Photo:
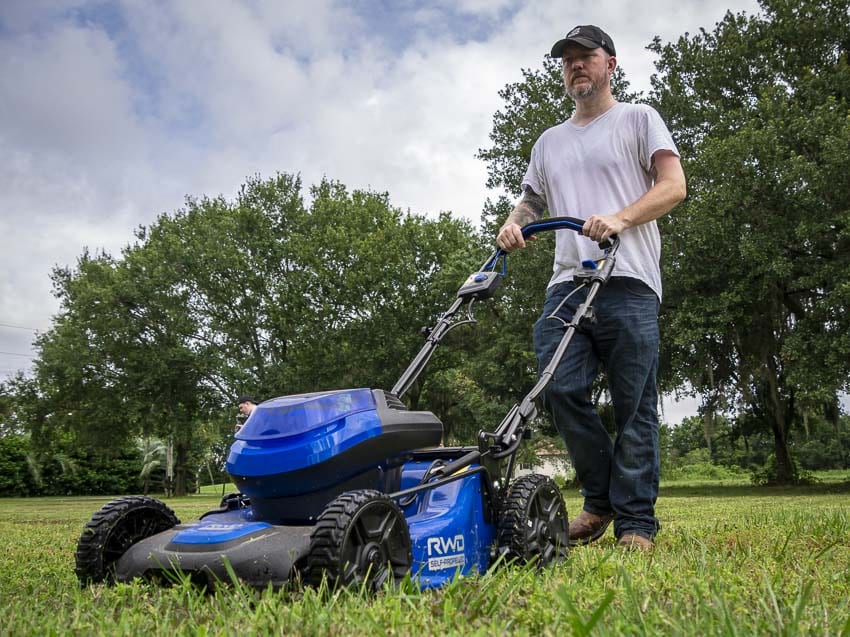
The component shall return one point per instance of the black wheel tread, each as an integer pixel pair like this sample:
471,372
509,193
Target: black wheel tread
329,533
514,518
90,564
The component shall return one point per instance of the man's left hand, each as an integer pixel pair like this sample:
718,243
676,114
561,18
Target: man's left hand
601,227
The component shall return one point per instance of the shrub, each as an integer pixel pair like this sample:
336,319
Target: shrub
26,473
766,475
15,477
705,471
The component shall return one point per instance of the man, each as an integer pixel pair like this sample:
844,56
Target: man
246,405
615,166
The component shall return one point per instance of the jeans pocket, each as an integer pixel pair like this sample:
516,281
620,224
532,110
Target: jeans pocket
638,288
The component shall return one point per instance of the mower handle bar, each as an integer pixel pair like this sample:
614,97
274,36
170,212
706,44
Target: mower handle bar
553,223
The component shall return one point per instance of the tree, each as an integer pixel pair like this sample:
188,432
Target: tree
120,359
756,260
754,315
259,294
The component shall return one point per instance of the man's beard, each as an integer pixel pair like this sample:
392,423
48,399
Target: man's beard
588,90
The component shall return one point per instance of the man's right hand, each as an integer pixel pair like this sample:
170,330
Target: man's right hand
510,237
530,208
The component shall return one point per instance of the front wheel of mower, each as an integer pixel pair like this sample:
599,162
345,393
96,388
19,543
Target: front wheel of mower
113,529
361,539
533,524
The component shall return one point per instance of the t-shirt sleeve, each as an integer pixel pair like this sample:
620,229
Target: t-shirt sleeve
656,137
535,176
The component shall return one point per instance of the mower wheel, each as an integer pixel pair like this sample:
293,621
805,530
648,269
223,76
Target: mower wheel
114,529
360,540
533,524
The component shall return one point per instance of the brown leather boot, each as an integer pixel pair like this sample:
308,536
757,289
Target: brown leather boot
588,527
635,542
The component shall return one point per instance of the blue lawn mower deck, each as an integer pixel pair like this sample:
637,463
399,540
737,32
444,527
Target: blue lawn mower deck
351,486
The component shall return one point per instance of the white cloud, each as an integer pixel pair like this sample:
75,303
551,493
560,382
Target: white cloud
107,120
485,7
31,14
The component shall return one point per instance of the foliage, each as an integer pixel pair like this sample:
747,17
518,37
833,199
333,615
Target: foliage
15,478
770,475
696,465
25,473
154,453
756,260
826,448
262,294
739,445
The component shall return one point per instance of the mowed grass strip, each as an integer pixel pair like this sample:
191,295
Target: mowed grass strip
730,561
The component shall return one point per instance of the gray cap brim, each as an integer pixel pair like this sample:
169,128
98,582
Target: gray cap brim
560,45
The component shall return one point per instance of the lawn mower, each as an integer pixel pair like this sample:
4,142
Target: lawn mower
351,486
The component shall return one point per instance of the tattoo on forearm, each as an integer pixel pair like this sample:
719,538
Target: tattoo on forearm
530,208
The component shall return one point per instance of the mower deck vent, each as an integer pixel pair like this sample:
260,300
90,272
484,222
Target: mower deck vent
393,402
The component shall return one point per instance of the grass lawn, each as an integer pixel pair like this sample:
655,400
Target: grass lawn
731,560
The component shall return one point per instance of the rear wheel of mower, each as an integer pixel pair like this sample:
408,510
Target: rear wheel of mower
114,529
533,525
361,539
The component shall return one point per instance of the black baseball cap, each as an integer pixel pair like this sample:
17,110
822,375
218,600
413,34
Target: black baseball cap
588,36
245,399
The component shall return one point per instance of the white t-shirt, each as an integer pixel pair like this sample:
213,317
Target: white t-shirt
599,169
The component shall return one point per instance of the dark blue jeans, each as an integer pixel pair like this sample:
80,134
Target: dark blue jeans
619,476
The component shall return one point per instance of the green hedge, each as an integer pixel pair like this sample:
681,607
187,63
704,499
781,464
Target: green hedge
15,478
78,473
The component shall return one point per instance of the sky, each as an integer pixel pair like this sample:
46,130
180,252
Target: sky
111,113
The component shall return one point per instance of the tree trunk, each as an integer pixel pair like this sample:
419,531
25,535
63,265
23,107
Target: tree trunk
832,413
779,414
169,468
708,431
708,416
181,461
784,464
209,471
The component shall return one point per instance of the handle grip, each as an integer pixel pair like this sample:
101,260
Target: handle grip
555,223
558,223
